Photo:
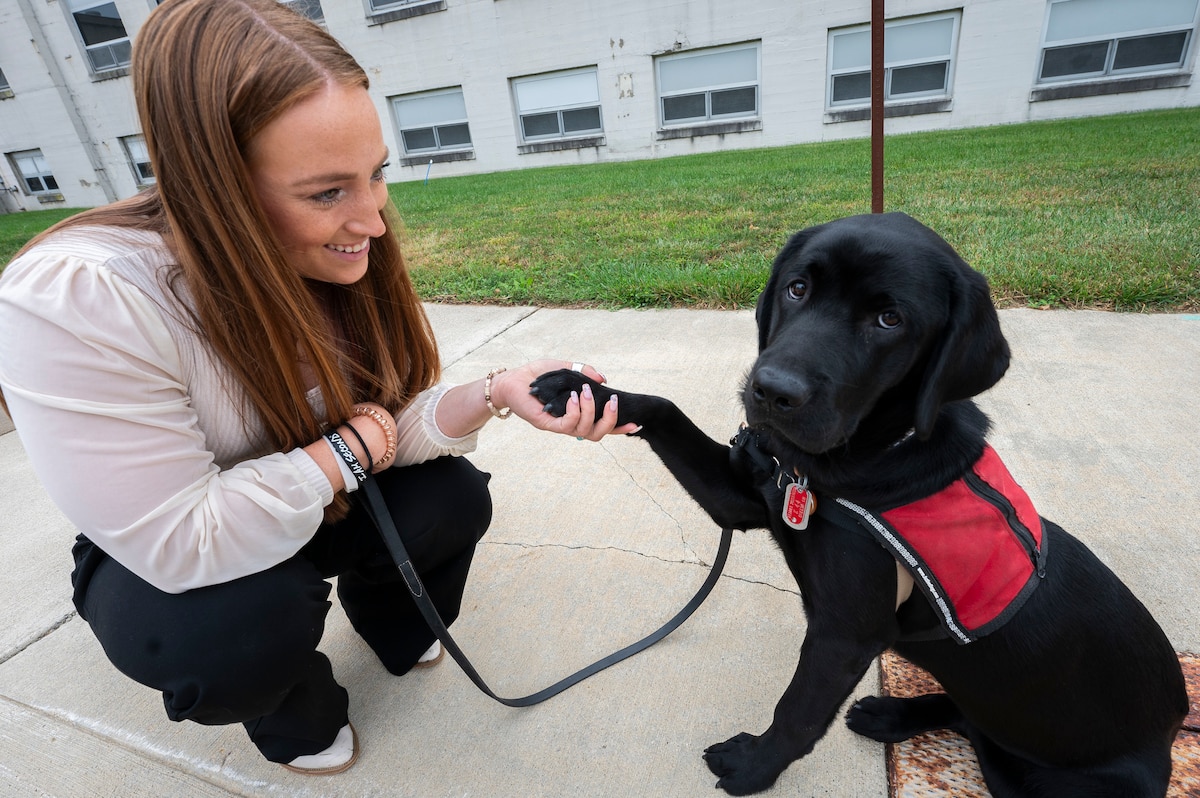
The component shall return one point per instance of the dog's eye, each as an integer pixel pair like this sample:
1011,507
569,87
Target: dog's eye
797,289
889,320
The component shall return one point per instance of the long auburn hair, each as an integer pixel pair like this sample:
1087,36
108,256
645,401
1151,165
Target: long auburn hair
208,76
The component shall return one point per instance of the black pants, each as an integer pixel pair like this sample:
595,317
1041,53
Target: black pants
245,651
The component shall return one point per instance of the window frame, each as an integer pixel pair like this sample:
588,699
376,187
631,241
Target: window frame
121,57
557,111
144,177
1109,72
951,62
709,118
16,158
438,148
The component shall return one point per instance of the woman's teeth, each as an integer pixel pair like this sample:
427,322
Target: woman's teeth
355,248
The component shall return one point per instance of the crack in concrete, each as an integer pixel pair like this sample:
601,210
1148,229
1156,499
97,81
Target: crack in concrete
653,500
39,637
618,549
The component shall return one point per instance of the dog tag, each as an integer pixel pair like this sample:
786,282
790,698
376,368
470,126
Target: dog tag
798,504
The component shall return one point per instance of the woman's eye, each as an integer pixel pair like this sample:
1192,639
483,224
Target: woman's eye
889,320
797,289
328,197
378,176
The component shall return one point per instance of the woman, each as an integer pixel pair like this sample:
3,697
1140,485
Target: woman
202,373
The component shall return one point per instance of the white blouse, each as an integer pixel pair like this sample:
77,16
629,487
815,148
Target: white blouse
134,428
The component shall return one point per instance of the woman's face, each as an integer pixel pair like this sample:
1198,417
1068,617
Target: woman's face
318,172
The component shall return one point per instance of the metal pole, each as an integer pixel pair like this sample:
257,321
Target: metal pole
877,106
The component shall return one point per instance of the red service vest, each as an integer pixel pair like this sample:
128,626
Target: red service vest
976,548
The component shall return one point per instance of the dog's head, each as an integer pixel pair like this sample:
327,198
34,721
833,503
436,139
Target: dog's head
869,318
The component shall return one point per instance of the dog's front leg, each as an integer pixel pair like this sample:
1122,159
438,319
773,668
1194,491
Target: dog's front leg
700,464
849,589
826,674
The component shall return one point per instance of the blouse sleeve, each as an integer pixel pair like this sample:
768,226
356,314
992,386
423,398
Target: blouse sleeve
95,386
418,436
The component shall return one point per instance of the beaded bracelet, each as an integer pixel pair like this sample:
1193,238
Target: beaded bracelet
388,427
503,412
343,450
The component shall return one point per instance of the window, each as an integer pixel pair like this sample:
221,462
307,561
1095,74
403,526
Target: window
1109,38
104,37
139,159
34,171
380,6
558,105
309,8
708,85
918,60
432,122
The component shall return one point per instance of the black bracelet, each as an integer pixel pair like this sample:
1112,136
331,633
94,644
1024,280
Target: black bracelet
343,449
367,449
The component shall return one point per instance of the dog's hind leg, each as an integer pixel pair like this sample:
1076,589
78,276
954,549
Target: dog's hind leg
1008,775
890,720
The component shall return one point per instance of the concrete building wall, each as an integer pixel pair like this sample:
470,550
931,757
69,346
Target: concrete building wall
77,118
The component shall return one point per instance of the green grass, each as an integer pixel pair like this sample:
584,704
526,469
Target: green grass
1101,212
18,228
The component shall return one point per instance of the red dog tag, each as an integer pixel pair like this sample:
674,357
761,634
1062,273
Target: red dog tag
798,504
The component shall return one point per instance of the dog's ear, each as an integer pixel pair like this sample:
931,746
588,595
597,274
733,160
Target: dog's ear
971,355
766,300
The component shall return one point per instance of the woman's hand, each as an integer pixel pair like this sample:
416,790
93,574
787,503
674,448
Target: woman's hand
511,389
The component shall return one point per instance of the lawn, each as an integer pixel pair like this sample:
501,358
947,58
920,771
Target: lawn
1101,213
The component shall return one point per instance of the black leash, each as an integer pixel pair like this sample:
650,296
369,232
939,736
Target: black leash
378,511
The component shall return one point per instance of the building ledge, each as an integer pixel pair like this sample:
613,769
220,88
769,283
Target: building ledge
438,157
890,111
111,74
406,12
1098,88
559,145
710,129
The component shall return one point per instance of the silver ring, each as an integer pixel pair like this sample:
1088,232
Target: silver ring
576,367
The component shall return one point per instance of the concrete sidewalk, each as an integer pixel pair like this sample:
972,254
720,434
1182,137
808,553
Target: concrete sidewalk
594,546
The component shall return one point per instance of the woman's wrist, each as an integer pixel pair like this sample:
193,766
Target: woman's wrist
491,399
374,423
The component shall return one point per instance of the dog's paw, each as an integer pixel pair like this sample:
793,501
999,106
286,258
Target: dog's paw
554,388
890,720
739,765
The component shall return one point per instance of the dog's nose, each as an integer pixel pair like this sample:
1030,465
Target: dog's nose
779,391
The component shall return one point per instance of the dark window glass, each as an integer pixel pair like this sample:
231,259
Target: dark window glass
100,24
735,101
581,119
540,125
856,86
1144,51
419,139
687,106
919,78
453,135
1078,59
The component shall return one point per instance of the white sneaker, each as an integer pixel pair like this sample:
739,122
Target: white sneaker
432,656
334,759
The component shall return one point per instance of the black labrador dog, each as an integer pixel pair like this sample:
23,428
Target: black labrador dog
866,458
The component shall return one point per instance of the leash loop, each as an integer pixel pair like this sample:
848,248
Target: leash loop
377,510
